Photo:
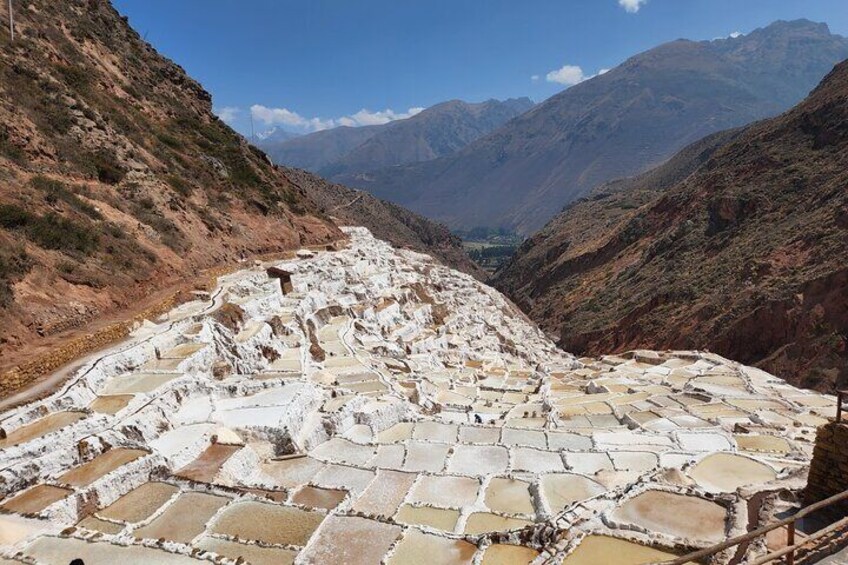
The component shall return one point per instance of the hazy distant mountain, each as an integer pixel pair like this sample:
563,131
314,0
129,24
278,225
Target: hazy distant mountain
275,135
439,130
617,124
317,150
738,245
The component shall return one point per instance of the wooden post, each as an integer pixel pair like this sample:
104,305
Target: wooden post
11,23
790,541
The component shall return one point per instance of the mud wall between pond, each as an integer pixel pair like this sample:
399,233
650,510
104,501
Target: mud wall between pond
829,468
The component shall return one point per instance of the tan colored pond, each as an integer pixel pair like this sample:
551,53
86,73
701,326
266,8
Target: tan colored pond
398,432
253,554
314,497
438,518
110,404
483,522
509,495
597,550
505,554
185,519
725,472
674,514
95,524
136,383
417,547
292,472
351,540
767,443
60,551
183,351
35,499
267,523
205,468
139,504
100,466
446,492
40,427
14,528
562,490
385,493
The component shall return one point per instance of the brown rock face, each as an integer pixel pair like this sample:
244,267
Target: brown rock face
116,180
737,245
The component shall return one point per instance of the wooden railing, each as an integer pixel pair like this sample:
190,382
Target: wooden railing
840,395
791,547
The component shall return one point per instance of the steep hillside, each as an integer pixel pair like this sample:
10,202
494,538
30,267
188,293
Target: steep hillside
747,256
115,177
387,221
618,124
343,153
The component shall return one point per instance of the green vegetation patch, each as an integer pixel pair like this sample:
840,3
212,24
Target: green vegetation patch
50,231
55,191
14,264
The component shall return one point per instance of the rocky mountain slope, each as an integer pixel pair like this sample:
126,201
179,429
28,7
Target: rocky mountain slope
405,229
747,256
618,124
344,153
116,180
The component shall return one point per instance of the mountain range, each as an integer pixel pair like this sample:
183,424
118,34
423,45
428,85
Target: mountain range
739,245
618,124
436,131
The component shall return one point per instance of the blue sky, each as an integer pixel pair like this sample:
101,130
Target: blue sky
311,64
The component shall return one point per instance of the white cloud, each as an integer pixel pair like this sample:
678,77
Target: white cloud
534,78
732,35
632,6
286,117
367,118
568,75
291,119
228,114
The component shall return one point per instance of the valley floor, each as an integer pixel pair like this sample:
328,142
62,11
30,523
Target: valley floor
370,405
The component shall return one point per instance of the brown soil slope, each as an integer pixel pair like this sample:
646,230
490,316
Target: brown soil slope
747,256
115,177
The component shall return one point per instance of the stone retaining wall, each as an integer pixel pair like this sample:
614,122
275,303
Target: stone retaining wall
27,373
829,468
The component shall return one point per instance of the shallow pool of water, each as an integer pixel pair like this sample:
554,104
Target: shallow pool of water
100,466
139,504
725,472
40,427
597,550
676,515
268,523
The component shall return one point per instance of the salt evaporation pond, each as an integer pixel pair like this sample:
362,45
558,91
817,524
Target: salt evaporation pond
378,407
